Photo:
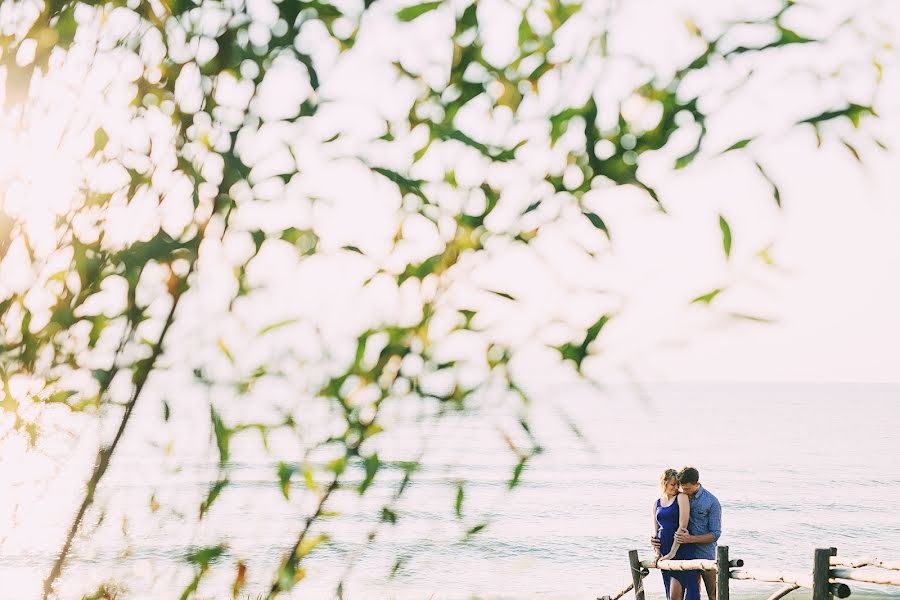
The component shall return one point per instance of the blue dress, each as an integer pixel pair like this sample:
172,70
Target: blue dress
667,519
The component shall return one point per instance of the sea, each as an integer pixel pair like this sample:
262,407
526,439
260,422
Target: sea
796,466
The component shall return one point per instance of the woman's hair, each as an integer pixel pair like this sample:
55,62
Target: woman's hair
666,476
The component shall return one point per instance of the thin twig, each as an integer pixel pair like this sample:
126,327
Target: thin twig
105,454
292,558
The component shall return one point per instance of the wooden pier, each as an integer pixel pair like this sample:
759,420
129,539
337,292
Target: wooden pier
823,580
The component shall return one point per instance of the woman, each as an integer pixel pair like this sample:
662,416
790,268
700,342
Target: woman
671,512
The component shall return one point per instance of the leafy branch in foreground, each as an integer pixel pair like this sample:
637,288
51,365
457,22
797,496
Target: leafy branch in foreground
215,208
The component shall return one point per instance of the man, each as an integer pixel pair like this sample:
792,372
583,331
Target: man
704,525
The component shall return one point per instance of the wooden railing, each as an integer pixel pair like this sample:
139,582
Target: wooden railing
827,570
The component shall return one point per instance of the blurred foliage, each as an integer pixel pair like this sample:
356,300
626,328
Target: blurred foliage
192,72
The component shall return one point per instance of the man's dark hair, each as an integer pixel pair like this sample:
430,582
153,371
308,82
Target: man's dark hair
689,475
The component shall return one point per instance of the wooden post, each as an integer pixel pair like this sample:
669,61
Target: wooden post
723,573
636,574
840,590
821,573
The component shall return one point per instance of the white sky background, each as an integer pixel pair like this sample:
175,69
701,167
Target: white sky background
834,295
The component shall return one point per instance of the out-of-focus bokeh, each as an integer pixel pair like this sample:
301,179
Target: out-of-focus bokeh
371,299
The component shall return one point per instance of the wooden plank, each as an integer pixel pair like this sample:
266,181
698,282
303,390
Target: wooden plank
618,594
697,564
880,577
893,565
821,588
851,562
791,579
723,573
783,592
856,563
637,576
773,576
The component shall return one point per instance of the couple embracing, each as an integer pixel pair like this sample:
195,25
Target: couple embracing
687,522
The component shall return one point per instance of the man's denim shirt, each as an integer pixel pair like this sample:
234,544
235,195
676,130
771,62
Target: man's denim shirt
706,517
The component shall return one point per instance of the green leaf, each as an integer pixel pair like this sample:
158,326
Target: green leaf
211,496
406,185
517,473
852,150
388,515
337,466
473,530
766,255
277,325
754,318
503,295
61,396
398,564
533,206
223,435
372,464
594,330
738,145
686,159
285,472
597,222
776,193
410,13
309,478
224,348
708,297
460,494
444,132
726,236
309,544
101,138
853,112
204,556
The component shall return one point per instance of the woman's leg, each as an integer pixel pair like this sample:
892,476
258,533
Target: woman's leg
677,590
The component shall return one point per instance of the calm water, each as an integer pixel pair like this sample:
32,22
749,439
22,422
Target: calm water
795,467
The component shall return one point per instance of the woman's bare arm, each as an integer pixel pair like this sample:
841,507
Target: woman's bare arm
684,515
655,526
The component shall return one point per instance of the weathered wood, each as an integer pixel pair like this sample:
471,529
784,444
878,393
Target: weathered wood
618,594
793,580
881,577
784,592
840,590
821,588
773,576
893,565
851,562
637,576
856,563
696,564
624,590
722,573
